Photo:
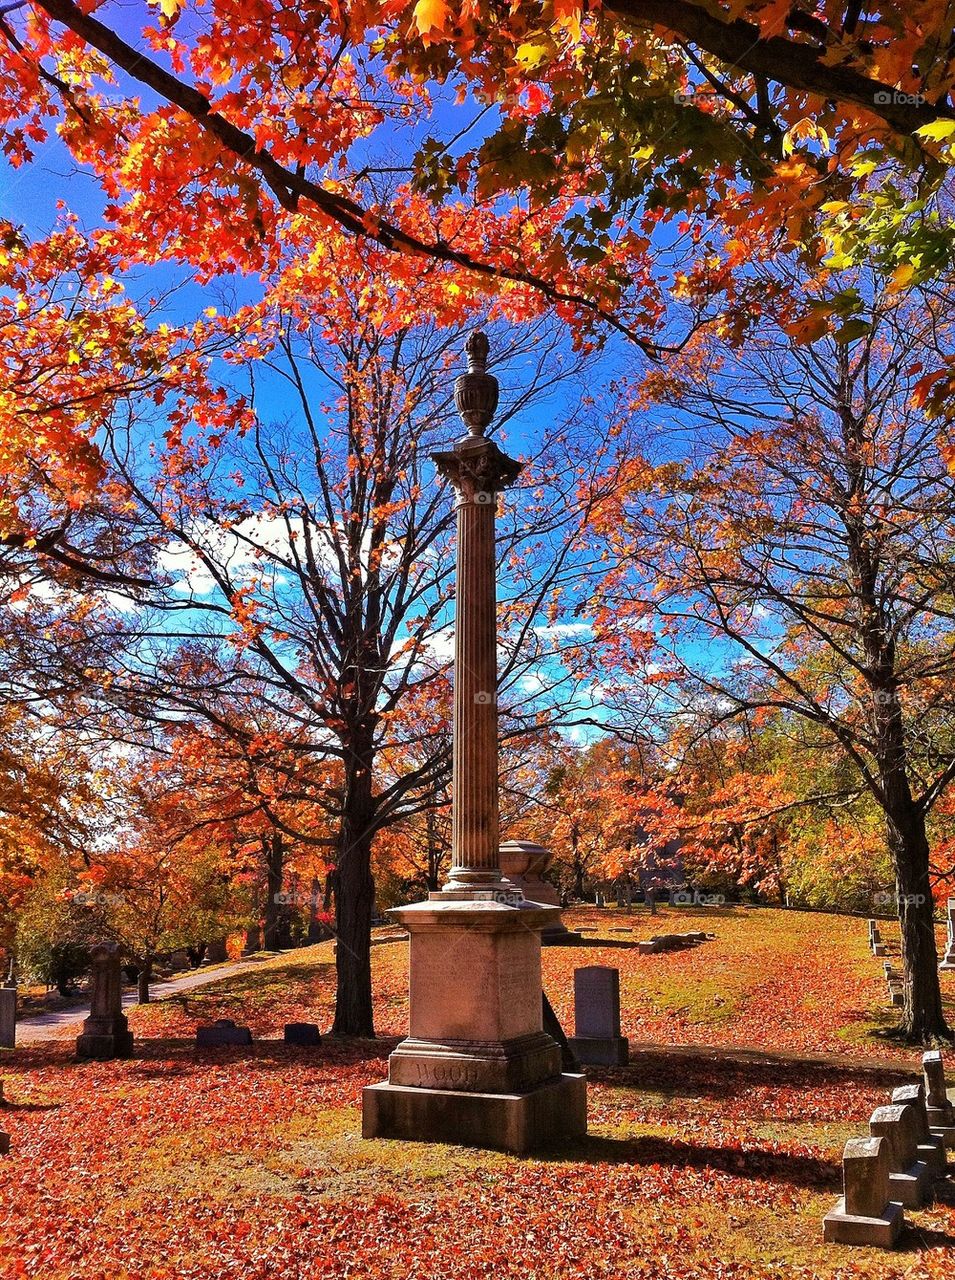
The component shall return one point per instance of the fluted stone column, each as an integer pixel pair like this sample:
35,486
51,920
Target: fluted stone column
477,1066
478,470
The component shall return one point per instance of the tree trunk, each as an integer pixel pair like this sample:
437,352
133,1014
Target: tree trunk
275,913
143,981
924,1017
355,899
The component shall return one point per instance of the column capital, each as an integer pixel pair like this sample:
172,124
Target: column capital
478,469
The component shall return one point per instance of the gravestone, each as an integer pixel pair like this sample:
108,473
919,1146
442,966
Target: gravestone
304,1034
216,952
948,960
4,1137
597,1040
524,865
179,960
865,1215
253,941
929,1148
938,1108
222,1032
910,1179
8,1017
106,1031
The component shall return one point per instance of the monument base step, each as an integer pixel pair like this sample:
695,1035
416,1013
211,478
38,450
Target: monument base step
561,938
840,1227
913,1187
614,1051
101,1048
516,1122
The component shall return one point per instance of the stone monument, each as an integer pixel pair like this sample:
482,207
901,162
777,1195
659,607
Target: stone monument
523,864
865,1215
910,1179
477,1067
8,1017
938,1107
106,1032
929,1148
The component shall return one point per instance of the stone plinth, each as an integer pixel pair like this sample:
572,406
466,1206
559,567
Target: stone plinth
865,1215
303,1034
597,1040
106,1032
523,864
477,1066
8,1017
910,1179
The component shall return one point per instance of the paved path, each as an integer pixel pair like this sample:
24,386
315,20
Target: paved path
48,1026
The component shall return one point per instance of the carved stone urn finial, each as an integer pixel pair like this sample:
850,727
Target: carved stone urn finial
476,392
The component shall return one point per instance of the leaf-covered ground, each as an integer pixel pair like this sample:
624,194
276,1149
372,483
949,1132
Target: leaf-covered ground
700,1161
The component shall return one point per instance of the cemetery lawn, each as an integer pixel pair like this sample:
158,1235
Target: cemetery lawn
714,1154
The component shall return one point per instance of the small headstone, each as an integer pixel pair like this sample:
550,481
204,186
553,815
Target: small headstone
222,1032
253,941
106,1031
648,947
929,1148
910,1179
597,1039
865,1215
304,1034
179,960
8,1017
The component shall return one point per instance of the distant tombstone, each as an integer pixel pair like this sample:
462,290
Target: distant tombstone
216,951
599,898
253,941
106,1031
865,1215
222,1032
597,1039
179,960
929,1148
948,960
910,1178
4,1137
304,1034
8,1017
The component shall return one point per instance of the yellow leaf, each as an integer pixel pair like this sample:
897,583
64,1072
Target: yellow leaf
901,277
430,15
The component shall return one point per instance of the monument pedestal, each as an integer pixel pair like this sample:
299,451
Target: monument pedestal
477,1067
105,1037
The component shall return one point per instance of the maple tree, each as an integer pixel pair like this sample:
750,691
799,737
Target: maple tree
799,563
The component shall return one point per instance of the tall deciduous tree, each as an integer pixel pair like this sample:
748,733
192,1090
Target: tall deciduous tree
800,561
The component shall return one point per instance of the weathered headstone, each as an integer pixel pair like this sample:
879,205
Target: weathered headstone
106,1031
938,1108
222,1032
179,960
597,1039
929,1148
524,865
304,1034
8,1017
910,1179
216,952
865,1215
